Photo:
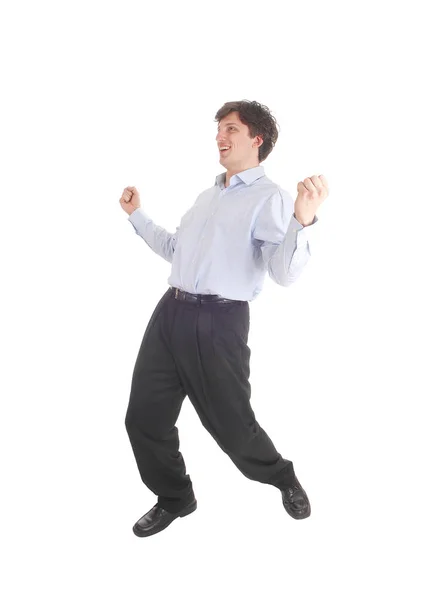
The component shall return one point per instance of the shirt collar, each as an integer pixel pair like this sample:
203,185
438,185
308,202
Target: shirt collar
248,176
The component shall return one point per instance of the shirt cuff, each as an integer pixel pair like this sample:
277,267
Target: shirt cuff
302,230
138,218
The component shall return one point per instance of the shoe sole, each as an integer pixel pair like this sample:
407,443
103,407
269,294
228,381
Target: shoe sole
186,511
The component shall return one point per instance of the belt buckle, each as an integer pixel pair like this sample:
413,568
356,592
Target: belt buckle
176,293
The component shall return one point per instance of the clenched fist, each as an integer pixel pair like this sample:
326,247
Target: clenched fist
130,200
312,191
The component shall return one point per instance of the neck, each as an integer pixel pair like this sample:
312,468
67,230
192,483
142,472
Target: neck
234,170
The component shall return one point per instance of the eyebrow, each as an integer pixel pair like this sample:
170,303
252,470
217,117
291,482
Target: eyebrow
226,124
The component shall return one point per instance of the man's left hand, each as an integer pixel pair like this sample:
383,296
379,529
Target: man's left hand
311,193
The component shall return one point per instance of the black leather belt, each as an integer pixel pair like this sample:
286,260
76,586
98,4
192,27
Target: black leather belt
198,298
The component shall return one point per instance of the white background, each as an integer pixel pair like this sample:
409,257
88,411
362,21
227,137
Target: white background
345,362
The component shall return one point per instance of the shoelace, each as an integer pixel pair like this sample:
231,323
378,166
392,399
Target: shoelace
291,492
295,495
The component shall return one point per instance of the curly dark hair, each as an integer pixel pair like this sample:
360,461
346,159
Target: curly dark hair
259,119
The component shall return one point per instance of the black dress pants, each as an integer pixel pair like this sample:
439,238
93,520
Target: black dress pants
197,350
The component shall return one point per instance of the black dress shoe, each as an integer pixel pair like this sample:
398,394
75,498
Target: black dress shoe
296,501
158,519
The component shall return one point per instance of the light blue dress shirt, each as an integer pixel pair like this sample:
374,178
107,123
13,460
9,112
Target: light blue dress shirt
232,237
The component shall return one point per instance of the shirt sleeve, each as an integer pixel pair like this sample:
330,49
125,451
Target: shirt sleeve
284,242
158,239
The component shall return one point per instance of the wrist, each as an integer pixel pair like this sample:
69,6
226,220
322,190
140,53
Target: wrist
303,222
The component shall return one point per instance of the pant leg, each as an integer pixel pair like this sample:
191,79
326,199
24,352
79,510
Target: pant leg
155,402
215,369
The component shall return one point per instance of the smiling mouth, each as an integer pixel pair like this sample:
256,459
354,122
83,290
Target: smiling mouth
225,151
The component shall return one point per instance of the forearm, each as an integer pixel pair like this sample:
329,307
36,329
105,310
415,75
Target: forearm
156,237
290,257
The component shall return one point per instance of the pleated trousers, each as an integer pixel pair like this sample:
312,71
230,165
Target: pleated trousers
197,350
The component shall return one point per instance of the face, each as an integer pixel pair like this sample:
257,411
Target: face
243,151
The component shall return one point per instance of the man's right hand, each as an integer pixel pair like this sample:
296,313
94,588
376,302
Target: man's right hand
130,200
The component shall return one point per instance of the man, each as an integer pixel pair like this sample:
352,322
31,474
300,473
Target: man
195,343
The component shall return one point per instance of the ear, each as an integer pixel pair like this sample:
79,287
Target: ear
259,141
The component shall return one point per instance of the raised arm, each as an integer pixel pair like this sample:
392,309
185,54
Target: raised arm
157,238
